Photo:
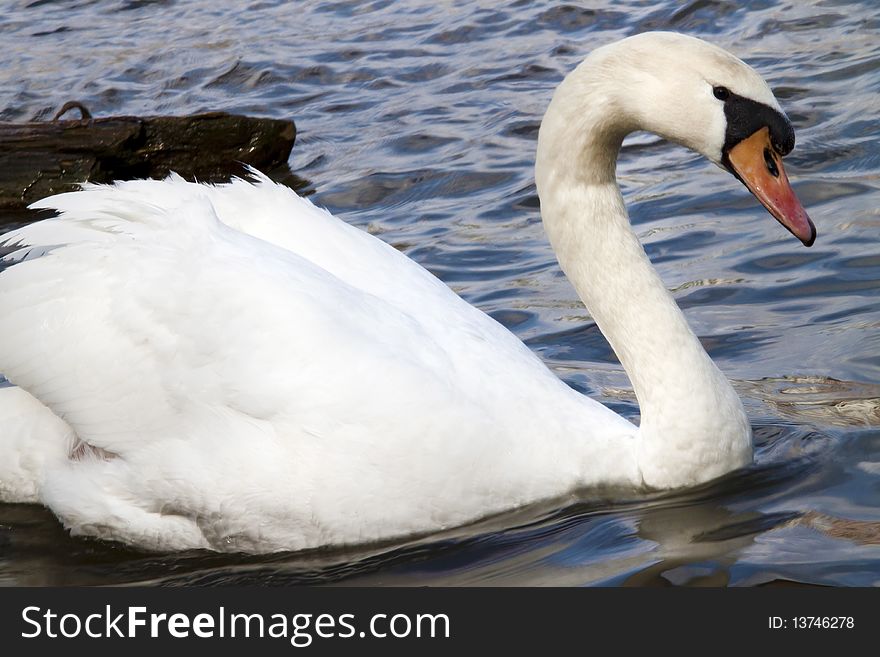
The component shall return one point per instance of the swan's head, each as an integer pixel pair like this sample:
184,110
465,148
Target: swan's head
698,95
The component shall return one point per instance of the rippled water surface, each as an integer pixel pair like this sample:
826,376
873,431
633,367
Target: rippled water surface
417,121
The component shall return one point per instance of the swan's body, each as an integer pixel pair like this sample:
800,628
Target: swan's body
233,368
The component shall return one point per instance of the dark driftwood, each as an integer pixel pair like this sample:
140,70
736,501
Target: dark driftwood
42,158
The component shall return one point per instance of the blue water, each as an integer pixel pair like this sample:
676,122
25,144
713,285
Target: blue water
417,121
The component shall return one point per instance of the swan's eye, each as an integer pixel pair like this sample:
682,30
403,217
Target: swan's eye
721,93
770,161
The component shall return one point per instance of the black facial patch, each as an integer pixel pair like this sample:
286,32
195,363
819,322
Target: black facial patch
746,116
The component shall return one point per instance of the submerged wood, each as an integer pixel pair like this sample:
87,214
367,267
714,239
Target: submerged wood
47,157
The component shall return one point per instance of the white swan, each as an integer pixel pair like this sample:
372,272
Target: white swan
233,368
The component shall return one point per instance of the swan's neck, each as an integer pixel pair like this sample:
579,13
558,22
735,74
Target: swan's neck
693,426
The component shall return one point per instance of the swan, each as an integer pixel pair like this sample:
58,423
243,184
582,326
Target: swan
232,368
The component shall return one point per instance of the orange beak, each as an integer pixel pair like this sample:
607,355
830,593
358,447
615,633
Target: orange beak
757,164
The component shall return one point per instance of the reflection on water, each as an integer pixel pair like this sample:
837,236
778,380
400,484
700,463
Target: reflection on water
417,121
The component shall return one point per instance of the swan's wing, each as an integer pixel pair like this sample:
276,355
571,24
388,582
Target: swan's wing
124,337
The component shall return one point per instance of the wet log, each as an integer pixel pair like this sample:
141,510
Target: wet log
42,158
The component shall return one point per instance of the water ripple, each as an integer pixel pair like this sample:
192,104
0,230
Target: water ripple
418,120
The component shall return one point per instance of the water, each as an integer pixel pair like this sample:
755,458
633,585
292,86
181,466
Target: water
417,121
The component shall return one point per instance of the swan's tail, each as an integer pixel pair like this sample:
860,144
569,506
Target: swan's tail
31,436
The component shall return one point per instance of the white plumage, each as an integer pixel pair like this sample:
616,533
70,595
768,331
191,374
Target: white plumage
230,367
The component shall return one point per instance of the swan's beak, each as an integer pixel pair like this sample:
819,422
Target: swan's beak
757,164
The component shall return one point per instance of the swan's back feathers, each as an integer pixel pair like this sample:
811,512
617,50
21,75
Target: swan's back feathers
143,209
